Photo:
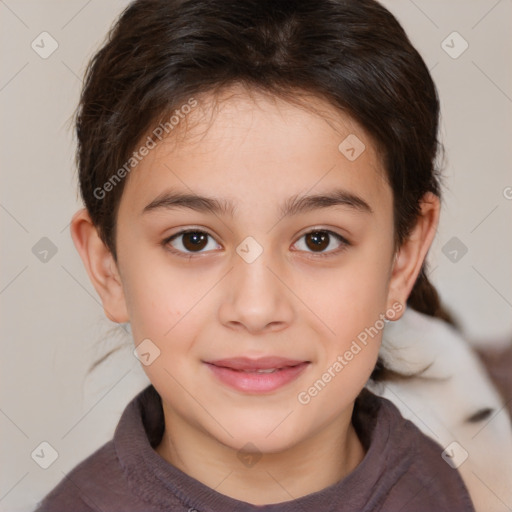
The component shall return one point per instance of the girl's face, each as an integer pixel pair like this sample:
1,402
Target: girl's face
291,259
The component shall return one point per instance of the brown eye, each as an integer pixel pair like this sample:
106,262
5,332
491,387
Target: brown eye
319,240
191,241
195,241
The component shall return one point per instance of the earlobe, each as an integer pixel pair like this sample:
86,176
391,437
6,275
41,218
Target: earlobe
100,266
411,255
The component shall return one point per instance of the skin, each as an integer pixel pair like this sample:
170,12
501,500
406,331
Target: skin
257,152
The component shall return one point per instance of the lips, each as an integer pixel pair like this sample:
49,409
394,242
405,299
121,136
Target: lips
263,364
257,375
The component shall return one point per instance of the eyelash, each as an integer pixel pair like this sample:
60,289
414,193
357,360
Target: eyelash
189,255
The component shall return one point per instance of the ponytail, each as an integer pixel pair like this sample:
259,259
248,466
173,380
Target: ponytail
424,298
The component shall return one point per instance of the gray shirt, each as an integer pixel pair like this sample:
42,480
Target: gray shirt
402,470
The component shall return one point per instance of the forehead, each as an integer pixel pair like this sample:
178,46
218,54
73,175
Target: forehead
258,150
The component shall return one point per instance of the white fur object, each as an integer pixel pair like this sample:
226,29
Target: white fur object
456,389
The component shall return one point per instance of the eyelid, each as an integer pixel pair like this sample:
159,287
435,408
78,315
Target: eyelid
166,242
344,242
334,252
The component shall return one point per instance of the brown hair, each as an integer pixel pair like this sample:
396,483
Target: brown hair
352,53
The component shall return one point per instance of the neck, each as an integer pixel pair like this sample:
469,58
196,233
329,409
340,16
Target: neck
313,465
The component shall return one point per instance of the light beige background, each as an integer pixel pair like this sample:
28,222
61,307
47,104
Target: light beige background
52,324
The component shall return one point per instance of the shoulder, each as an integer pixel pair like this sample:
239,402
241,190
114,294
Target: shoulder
115,477
414,474
96,483
428,480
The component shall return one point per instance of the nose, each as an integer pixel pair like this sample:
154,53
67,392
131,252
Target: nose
256,297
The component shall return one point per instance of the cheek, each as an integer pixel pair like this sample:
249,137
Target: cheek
351,297
162,310
156,300
353,309
169,306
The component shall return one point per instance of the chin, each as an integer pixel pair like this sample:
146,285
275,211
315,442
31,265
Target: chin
260,436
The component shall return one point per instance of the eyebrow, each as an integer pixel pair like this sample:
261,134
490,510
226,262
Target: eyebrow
294,205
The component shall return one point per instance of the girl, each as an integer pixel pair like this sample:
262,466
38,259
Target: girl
260,194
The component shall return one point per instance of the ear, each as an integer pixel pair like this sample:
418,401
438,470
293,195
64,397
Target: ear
100,266
411,255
